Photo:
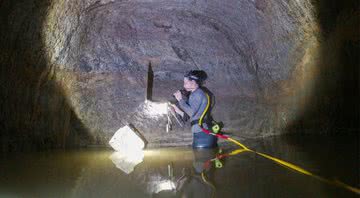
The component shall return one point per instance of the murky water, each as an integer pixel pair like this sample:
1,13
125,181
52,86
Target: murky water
176,172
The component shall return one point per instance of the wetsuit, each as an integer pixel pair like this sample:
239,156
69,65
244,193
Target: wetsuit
194,107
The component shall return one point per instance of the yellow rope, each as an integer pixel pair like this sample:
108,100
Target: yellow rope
239,144
295,168
279,161
237,151
205,111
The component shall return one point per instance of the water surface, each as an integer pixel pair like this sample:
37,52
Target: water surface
176,172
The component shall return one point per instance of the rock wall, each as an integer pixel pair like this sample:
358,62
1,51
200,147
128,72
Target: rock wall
73,72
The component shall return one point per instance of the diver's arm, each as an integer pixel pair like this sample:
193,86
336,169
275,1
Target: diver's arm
193,106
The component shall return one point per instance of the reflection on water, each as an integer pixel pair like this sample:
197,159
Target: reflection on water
183,172
127,163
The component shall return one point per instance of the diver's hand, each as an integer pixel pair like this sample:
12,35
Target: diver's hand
178,95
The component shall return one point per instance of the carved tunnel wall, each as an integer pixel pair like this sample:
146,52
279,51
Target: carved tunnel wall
73,72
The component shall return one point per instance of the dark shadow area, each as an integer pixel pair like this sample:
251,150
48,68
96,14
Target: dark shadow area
35,113
149,83
328,130
331,157
334,106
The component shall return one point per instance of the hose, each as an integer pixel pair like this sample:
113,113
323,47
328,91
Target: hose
274,159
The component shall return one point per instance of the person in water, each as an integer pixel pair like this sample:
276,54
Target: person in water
194,106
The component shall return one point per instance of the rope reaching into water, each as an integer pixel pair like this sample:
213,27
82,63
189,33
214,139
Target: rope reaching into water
274,159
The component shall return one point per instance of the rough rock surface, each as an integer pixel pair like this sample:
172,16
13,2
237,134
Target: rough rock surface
73,72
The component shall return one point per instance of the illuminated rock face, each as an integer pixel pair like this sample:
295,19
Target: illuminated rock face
73,72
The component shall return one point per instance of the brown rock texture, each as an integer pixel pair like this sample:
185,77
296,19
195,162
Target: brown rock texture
73,72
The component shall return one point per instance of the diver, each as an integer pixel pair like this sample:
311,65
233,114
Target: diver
194,106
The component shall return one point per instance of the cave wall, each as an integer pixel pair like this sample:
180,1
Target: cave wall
333,107
73,72
35,113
